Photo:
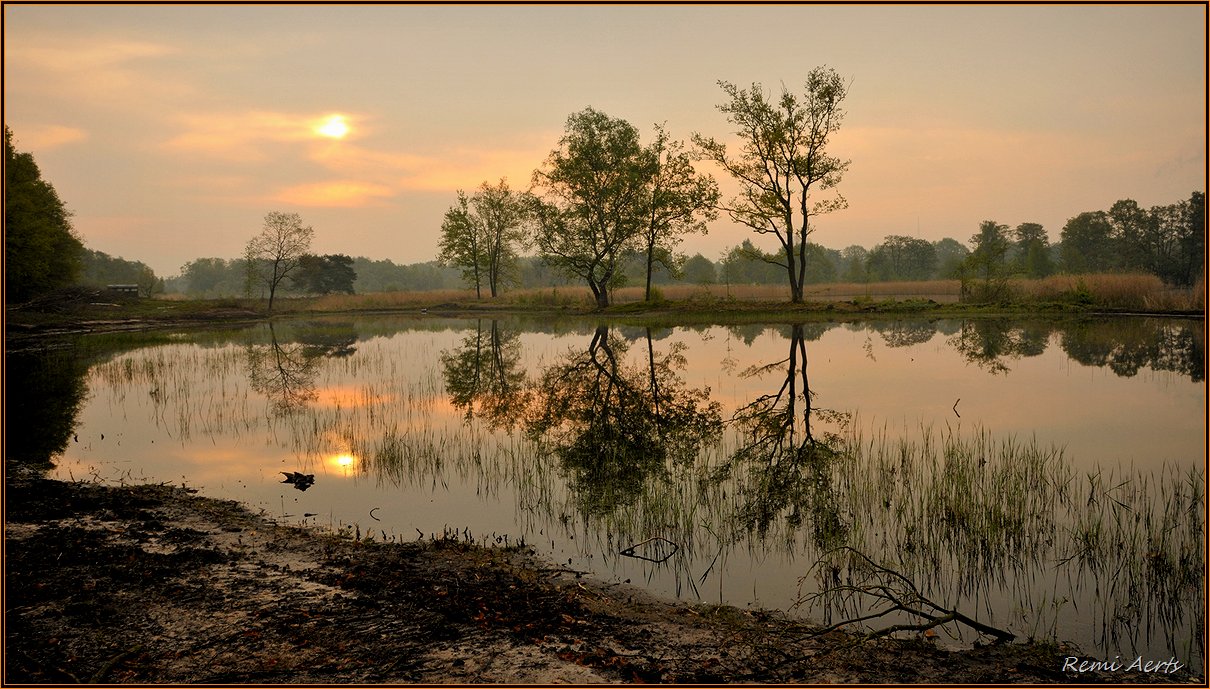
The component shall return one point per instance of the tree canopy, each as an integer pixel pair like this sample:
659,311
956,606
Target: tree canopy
592,199
783,163
41,250
271,256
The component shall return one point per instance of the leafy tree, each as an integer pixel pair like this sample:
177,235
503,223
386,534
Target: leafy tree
277,251
681,202
699,270
1193,240
747,265
1086,243
593,199
1130,235
951,255
461,243
855,260
1033,250
480,233
100,269
987,259
324,274
41,250
782,163
902,258
821,264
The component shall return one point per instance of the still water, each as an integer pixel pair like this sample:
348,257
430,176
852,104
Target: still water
1042,477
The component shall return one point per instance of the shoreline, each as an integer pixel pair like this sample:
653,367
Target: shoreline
153,583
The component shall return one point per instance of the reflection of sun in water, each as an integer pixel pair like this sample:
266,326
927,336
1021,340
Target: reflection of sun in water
345,463
333,127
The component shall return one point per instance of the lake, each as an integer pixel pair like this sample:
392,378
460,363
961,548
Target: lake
1043,477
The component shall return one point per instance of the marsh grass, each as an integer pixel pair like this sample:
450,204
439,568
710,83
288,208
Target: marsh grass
964,514
1105,290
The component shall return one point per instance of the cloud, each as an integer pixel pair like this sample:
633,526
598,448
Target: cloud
335,194
47,136
241,136
109,71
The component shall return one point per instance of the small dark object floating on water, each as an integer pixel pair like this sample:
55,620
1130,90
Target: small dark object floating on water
300,481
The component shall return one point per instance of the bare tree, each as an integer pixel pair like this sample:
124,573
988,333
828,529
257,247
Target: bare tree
277,251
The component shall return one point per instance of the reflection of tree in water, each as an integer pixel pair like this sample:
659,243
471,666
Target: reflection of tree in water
285,372
614,425
905,333
484,376
1125,345
987,342
788,466
43,391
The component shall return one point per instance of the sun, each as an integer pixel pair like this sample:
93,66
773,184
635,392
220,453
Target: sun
333,127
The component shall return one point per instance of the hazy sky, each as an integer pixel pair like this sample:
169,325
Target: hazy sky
172,130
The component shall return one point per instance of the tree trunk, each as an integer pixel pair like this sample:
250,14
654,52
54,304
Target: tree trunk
650,262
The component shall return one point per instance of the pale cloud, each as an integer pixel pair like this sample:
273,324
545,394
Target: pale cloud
245,135
335,194
43,137
101,70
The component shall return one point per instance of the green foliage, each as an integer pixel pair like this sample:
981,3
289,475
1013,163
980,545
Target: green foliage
951,255
782,163
699,270
680,201
41,251
987,263
902,258
1087,247
480,233
100,269
324,274
592,199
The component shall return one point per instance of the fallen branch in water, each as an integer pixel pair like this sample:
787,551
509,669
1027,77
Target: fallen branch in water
896,593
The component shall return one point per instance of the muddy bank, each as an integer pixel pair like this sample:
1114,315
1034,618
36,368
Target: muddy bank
152,584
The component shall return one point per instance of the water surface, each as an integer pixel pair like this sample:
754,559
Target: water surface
1044,477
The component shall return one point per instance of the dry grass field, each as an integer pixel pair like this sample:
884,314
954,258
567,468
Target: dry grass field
1110,290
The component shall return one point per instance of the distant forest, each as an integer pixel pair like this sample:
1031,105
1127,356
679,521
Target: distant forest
1167,241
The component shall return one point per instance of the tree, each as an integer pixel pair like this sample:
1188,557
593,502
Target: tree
1086,243
987,259
855,260
699,270
324,274
681,201
747,265
503,214
782,163
480,233
593,199
902,258
461,243
951,255
1033,250
277,251
41,250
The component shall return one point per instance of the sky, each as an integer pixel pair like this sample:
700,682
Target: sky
170,131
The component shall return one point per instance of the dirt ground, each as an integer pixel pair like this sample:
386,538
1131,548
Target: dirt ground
152,584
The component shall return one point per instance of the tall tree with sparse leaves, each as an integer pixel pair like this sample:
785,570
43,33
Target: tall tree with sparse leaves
786,174
681,202
277,251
